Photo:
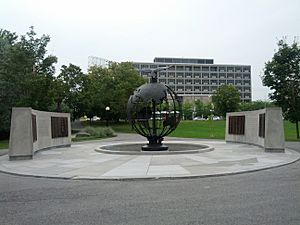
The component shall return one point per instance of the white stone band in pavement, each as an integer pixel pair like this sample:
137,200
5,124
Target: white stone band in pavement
81,161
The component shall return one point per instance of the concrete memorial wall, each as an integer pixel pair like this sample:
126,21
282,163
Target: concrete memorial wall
32,130
260,127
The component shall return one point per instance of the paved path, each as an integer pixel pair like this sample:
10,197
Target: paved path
267,197
82,162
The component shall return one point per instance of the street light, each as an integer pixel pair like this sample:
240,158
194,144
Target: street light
211,118
107,112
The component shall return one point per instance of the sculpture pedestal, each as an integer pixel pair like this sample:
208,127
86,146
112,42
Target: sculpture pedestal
154,147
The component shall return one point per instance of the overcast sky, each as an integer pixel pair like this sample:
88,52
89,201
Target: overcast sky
229,31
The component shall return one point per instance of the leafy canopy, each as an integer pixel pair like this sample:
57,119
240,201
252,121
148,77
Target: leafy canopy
282,76
226,99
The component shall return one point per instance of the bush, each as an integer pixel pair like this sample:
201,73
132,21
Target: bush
83,134
100,131
109,132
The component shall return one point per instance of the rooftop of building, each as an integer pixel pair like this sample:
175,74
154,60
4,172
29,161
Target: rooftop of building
183,60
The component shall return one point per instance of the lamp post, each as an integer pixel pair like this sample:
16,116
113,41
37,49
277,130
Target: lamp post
107,113
211,118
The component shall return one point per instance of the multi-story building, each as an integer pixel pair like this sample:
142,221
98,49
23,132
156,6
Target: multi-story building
199,78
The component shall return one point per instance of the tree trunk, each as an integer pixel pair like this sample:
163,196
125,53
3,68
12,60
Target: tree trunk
58,106
297,129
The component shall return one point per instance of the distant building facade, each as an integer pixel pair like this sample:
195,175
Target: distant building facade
194,78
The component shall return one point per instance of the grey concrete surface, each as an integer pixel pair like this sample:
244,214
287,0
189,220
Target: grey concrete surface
268,197
81,161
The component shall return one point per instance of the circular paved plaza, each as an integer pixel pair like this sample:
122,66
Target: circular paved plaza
81,161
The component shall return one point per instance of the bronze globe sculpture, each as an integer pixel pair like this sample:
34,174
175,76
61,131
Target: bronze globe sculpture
154,111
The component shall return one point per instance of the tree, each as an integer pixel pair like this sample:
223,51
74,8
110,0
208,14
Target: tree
282,76
26,73
69,87
255,105
187,109
202,108
226,99
111,87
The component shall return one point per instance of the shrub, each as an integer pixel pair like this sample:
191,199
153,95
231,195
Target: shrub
109,132
100,131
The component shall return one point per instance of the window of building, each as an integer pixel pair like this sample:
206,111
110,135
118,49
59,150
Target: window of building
238,82
205,75
214,68
188,88
246,69
144,66
144,73
238,76
197,75
222,75
214,82
236,125
230,69
261,127
246,76
162,74
222,69
197,88
180,81
188,75
188,81
171,74
188,68
205,82
171,81
59,127
197,81
247,89
238,69
197,68
205,89
179,74
172,68
214,75
180,68
180,88
230,76
222,82
205,68
153,66
230,82
163,81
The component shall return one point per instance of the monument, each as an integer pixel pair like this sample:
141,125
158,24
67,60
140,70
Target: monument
154,111
262,127
32,130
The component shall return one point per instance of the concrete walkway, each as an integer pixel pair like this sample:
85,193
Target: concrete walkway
81,161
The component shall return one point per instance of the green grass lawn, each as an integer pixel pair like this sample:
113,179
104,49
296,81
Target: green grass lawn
3,144
187,128
198,129
290,131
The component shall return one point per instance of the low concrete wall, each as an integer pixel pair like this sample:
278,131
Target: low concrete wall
274,133
25,140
